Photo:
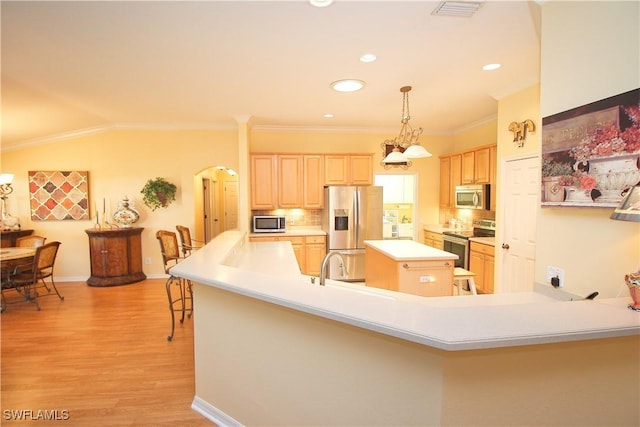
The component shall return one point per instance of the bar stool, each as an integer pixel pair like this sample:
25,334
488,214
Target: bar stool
460,275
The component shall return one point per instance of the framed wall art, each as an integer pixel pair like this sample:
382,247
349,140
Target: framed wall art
59,195
591,154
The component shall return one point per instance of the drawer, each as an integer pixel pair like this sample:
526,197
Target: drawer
432,235
483,249
296,240
315,239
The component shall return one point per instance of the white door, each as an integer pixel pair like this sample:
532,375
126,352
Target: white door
230,205
520,199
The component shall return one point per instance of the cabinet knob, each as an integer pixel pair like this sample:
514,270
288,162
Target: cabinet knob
505,246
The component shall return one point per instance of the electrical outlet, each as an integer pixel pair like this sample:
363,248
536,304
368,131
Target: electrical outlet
147,260
555,272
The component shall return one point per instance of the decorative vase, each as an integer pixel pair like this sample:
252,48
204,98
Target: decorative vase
553,190
125,215
633,282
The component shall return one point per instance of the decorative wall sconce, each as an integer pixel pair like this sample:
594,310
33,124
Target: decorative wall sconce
520,130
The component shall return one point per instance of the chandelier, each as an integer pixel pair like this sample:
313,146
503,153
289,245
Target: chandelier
405,145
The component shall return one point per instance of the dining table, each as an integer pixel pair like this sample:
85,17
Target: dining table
10,257
13,254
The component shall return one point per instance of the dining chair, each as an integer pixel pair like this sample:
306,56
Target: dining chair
32,241
186,242
27,278
180,296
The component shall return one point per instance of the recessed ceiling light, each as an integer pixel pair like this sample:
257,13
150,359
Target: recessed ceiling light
347,85
328,116
368,57
490,67
320,3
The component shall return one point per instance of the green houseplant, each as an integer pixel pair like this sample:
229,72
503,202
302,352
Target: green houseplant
158,193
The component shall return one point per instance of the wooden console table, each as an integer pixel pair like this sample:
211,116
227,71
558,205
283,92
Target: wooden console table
9,237
116,256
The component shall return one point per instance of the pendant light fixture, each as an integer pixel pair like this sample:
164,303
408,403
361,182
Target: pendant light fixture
406,145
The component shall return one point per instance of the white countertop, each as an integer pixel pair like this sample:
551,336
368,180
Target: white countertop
293,231
448,323
409,250
491,241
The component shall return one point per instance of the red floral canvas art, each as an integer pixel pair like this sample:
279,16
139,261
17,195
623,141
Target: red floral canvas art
591,154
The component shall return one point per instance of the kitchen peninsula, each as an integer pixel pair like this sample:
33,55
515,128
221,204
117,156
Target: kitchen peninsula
271,348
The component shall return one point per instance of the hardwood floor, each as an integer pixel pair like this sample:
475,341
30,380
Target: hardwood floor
100,357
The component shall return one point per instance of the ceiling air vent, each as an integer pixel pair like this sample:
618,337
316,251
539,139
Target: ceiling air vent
463,9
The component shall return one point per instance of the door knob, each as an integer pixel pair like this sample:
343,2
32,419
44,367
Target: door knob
505,246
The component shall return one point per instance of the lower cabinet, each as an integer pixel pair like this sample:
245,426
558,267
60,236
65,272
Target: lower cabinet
482,263
116,256
427,278
309,250
433,239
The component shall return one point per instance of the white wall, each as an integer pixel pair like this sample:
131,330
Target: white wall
590,51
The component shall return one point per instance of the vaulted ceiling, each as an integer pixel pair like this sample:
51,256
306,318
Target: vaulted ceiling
69,67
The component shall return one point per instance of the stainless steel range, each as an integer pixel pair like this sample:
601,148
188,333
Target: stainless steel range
457,241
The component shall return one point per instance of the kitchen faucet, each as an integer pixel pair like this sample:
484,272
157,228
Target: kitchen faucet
325,263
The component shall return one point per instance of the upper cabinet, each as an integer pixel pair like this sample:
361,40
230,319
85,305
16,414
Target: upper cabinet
470,167
348,169
291,181
475,166
263,181
287,181
313,181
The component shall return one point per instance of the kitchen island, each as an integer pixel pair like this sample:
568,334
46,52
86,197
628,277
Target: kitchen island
410,267
271,348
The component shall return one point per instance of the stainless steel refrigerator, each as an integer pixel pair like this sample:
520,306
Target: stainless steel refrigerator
351,216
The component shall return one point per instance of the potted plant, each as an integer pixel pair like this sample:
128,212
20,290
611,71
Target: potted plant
158,193
554,178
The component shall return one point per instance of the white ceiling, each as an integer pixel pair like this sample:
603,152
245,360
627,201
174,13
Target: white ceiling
70,67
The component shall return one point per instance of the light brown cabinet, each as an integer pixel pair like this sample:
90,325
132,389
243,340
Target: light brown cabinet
315,248
263,181
445,182
471,167
313,181
287,181
290,180
427,278
482,263
348,169
433,239
116,256
309,250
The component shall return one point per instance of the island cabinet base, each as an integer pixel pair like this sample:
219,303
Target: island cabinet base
427,278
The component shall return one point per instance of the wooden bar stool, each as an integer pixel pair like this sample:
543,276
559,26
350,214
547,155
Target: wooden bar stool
460,275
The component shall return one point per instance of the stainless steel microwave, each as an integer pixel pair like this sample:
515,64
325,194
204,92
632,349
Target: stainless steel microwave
269,224
475,196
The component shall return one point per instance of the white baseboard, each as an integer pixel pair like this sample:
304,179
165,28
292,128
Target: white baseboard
85,278
213,414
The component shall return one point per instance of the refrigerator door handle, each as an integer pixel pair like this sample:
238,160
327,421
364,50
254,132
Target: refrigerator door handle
356,211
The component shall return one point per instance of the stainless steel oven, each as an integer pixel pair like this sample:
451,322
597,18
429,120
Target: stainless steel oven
459,245
457,241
